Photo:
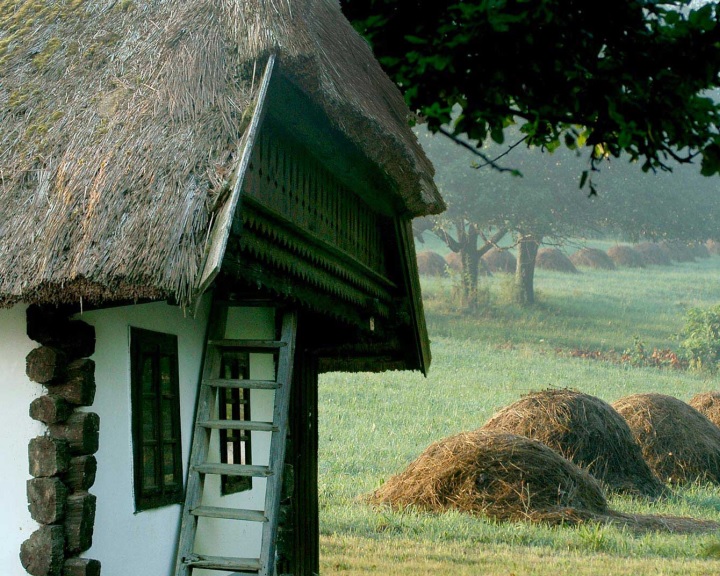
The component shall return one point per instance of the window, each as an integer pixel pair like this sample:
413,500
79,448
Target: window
234,404
155,419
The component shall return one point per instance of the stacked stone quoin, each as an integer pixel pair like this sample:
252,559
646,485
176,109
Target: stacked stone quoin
62,464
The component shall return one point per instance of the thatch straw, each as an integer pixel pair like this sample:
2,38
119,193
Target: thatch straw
625,257
430,263
708,404
554,259
653,254
498,260
504,476
592,258
678,442
586,431
120,124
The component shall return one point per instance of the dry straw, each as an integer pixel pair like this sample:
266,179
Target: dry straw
708,404
592,258
678,442
554,259
585,430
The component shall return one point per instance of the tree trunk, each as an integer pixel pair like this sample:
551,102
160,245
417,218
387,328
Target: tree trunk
469,278
524,289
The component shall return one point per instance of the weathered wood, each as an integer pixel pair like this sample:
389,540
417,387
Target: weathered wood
50,409
79,521
43,553
48,456
78,385
81,431
80,475
81,567
51,327
47,499
45,364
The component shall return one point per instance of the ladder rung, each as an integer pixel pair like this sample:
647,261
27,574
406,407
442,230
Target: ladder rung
230,513
233,470
223,563
251,384
248,344
239,425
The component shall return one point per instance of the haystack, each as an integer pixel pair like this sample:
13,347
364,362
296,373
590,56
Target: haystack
499,261
585,430
625,257
713,247
708,404
592,258
454,261
504,476
699,250
431,263
678,251
554,259
678,442
653,254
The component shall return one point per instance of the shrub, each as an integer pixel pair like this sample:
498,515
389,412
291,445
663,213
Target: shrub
701,338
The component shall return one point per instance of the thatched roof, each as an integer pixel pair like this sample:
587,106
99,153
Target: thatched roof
120,123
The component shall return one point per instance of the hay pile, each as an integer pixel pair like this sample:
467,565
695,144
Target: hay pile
708,404
592,258
626,256
653,254
713,247
504,476
678,442
699,250
678,251
585,430
454,261
499,261
431,263
554,259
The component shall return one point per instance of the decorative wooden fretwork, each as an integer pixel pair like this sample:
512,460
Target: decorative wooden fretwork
285,178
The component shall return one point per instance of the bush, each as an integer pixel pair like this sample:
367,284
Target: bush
701,338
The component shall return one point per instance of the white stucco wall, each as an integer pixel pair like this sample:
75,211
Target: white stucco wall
16,430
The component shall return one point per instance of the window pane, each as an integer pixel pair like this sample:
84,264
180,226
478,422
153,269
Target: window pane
147,375
149,468
165,375
169,464
167,422
148,415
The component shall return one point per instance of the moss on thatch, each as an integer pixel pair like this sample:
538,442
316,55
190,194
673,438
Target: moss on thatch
503,476
652,254
592,258
498,260
119,136
625,257
708,404
554,259
679,444
585,430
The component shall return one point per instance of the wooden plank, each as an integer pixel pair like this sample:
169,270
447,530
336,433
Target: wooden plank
230,513
247,344
239,425
233,470
217,243
224,563
250,384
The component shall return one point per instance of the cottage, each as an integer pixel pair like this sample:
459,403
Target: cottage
203,205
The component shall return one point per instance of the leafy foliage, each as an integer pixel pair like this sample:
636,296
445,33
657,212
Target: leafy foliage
701,338
621,76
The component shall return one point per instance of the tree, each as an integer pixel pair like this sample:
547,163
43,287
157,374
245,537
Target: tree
616,77
544,204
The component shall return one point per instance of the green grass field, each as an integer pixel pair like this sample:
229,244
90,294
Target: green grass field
373,425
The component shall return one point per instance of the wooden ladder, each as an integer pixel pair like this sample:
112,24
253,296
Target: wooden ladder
199,467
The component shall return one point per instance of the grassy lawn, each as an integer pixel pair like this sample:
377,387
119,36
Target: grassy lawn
373,425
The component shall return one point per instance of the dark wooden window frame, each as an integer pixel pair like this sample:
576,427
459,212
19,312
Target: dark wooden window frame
156,434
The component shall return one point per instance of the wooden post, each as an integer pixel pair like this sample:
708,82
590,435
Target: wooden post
81,567
50,409
47,498
80,521
45,364
77,386
48,456
43,553
81,431
80,475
